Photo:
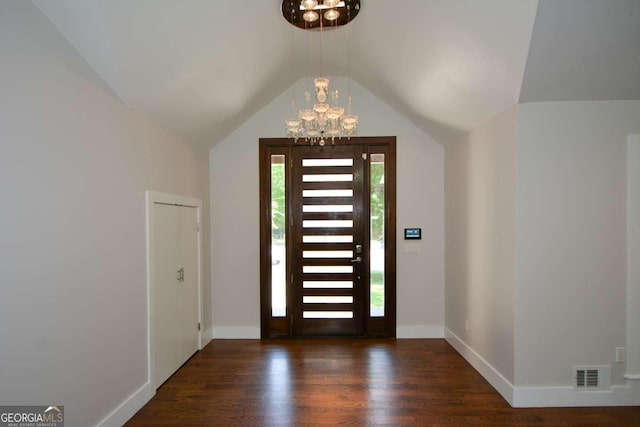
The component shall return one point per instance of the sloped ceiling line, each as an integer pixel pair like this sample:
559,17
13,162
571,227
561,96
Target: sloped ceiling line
202,68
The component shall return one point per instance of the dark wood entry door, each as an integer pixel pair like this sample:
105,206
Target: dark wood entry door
328,240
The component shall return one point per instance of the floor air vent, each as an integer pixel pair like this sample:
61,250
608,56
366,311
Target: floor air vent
592,377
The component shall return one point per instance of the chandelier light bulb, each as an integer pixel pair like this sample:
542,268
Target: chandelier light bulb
335,113
321,108
350,120
331,3
307,115
309,4
294,124
310,16
331,15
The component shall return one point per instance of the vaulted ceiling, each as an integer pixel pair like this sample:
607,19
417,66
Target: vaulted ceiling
201,67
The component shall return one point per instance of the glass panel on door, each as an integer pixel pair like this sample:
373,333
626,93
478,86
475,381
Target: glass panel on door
376,233
278,237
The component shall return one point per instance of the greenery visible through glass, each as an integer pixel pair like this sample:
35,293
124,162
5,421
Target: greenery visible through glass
377,231
278,234
277,196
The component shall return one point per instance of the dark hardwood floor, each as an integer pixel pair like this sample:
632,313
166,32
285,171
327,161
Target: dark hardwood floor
345,381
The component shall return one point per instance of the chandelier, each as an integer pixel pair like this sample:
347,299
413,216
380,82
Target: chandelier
322,116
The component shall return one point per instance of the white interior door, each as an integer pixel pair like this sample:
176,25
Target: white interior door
166,293
188,288
176,313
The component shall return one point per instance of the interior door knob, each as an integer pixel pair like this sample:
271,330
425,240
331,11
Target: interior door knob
358,259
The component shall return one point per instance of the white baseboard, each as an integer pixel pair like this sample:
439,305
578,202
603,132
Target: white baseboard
546,396
236,332
419,331
128,407
251,332
495,378
542,397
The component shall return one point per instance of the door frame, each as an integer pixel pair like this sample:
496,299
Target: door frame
270,326
152,198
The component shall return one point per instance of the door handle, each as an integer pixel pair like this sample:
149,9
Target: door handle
357,260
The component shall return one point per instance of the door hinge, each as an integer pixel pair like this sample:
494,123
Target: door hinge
198,325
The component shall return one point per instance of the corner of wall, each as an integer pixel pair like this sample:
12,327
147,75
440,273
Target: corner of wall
490,373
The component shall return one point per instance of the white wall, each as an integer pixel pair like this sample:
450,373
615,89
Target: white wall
633,255
536,237
480,209
74,165
235,218
571,231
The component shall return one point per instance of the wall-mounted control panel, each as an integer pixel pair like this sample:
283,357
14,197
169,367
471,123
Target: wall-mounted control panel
412,233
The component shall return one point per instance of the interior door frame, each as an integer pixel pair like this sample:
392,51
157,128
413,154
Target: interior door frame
272,327
152,198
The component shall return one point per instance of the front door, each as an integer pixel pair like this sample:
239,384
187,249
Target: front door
328,238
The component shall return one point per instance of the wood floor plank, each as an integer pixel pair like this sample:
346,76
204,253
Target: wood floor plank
346,382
